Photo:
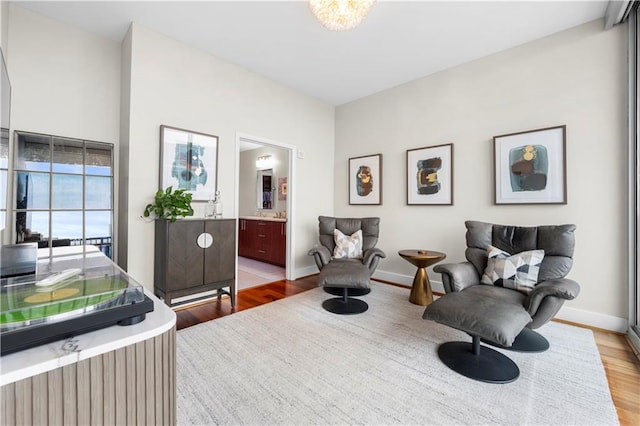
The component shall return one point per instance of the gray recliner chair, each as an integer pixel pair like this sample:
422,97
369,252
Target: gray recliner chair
346,277
498,315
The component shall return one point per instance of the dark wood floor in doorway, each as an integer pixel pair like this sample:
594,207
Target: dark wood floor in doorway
247,299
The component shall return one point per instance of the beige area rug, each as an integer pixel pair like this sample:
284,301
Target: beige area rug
291,362
252,273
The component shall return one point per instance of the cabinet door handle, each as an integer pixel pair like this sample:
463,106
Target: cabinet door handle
261,236
261,251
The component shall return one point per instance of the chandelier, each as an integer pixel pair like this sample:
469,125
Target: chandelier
340,15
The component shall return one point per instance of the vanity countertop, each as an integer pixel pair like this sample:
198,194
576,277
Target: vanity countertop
265,218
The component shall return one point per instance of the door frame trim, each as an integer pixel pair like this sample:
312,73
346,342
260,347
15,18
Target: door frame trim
240,137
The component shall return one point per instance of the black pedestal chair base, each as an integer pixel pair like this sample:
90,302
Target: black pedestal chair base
486,364
345,305
527,341
337,291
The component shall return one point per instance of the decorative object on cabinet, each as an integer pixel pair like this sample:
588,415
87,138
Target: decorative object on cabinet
530,167
189,161
194,256
217,206
263,240
365,180
430,175
170,204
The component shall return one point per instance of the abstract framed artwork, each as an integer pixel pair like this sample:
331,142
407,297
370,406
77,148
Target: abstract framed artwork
365,180
430,175
189,161
530,167
282,188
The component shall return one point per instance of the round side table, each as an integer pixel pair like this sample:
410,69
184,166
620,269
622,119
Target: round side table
421,289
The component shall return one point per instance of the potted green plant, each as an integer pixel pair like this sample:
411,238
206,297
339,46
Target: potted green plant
170,204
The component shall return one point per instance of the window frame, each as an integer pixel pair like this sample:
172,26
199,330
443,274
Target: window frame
108,246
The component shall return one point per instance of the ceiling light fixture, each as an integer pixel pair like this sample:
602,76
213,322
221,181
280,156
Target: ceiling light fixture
264,162
340,15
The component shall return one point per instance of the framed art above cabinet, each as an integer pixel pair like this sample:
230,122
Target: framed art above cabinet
189,161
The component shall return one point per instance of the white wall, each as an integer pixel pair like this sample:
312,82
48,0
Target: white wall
64,81
122,220
4,27
576,77
247,194
180,86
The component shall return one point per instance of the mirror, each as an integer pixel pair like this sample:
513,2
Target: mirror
265,189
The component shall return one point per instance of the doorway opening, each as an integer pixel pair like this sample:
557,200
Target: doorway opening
264,204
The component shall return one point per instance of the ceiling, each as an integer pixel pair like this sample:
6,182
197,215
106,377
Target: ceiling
398,42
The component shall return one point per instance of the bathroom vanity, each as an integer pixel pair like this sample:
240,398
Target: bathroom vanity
263,239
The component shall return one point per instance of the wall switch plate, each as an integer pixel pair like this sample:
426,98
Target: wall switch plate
300,154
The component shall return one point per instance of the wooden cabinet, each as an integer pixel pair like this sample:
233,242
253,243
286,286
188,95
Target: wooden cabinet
263,240
279,238
193,256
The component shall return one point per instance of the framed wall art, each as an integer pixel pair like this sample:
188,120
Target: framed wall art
365,180
189,161
282,188
530,167
430,175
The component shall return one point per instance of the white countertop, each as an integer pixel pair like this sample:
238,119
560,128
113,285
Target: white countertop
40,359
265,218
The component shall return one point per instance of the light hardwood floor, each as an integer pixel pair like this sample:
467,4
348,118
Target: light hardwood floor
623,373
622,366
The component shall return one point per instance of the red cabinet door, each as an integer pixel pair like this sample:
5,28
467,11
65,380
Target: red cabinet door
263,240
279,238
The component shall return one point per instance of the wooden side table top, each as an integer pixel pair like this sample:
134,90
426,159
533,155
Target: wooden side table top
418,256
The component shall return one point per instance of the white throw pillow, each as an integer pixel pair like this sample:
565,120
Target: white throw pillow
517,272
347,247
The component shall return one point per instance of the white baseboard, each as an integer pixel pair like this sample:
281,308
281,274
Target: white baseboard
593,319
405,280
305,272
579,316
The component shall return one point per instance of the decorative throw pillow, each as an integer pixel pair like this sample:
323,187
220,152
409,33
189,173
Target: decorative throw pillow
347,247
518,271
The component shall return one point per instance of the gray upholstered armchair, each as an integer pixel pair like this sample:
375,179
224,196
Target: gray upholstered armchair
512,282
349,276
552,288
371,255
